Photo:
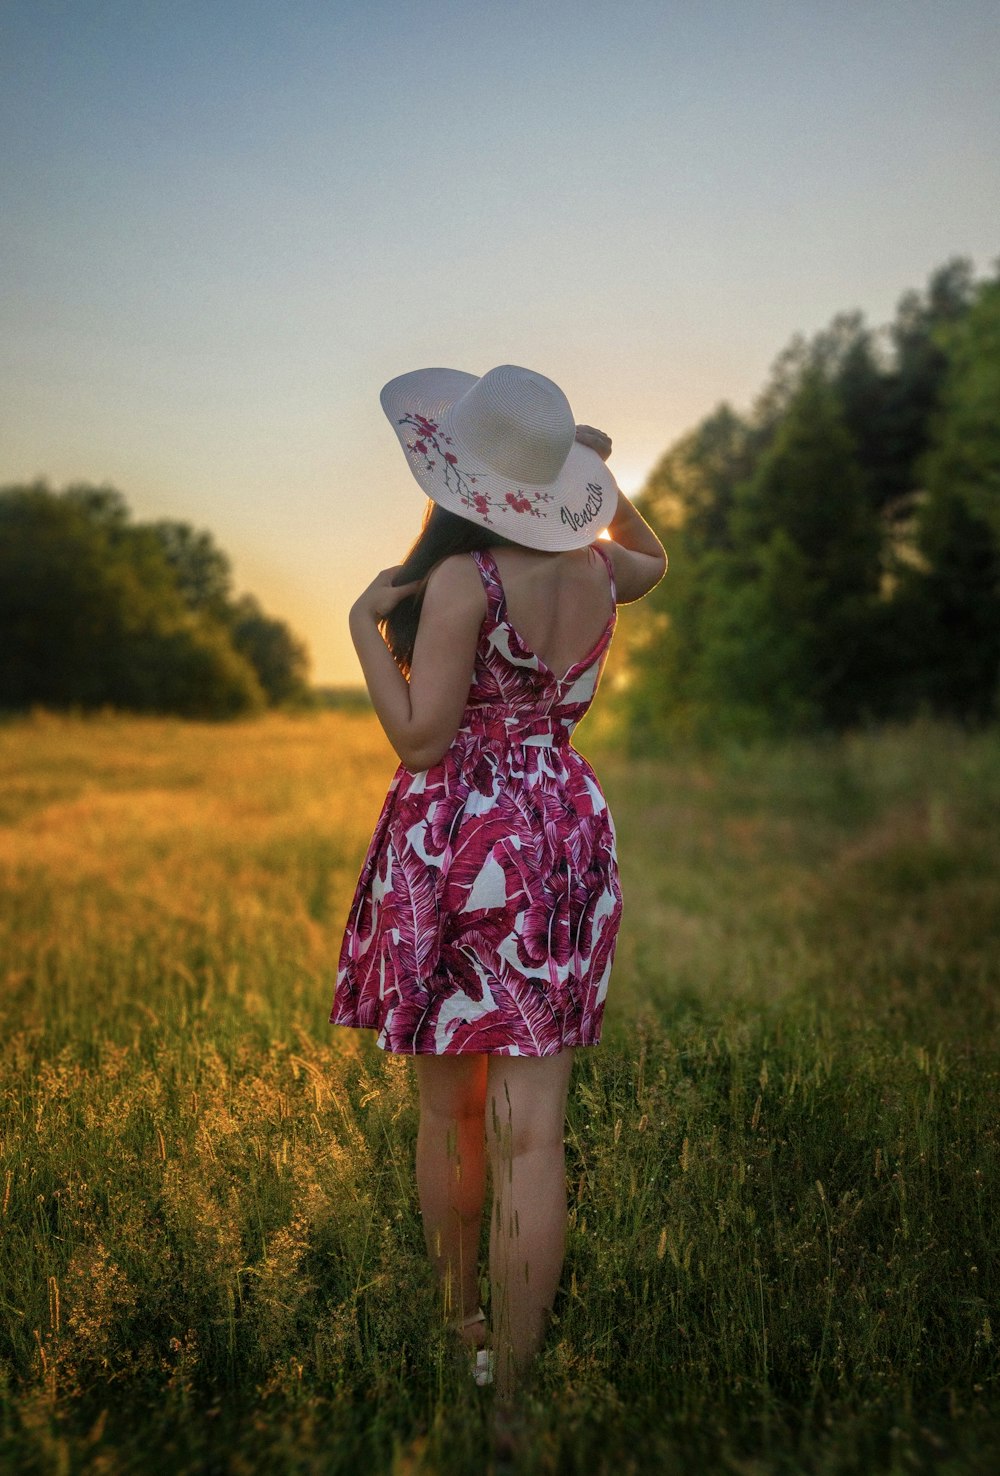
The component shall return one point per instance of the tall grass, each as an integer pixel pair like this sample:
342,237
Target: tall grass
782,1161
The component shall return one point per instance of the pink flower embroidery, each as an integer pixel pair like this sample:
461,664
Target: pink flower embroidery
462,483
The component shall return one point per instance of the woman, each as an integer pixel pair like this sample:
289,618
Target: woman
482,931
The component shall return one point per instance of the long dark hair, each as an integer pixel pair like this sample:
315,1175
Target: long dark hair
442,533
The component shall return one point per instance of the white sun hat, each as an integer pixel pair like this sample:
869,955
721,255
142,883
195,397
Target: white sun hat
501,450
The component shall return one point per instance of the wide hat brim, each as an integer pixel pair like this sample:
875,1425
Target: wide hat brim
568,512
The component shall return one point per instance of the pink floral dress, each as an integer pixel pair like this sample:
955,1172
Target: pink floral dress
486,914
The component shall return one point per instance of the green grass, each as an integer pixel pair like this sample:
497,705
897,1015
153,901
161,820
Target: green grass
783,1160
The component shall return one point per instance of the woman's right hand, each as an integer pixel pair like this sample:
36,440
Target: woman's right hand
382,596
596,440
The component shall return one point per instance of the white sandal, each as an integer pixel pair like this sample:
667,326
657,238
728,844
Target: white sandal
482,1370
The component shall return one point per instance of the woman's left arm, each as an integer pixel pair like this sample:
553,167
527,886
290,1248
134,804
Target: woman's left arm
421,717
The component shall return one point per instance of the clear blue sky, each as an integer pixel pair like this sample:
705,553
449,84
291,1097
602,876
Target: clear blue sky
225,224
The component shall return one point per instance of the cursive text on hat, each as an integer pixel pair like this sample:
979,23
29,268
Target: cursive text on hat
588,512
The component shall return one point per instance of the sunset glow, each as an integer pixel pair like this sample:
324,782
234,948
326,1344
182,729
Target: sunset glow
226,227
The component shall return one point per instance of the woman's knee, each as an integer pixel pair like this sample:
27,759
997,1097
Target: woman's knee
526,1103
451,1088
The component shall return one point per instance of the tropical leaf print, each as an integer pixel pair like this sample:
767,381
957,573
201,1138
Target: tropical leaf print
415,917
486,913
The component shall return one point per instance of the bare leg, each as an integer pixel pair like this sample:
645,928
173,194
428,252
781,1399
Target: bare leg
451,1175
525,1127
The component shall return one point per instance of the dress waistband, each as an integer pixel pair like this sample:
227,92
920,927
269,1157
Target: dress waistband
516,731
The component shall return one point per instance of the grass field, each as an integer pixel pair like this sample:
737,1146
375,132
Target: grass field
783,1159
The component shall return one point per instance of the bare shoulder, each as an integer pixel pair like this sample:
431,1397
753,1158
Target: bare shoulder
455,581
635,573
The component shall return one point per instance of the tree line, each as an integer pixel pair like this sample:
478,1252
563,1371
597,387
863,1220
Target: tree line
834,559
98,610
834,555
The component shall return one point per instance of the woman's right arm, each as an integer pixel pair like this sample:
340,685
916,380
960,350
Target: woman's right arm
638,556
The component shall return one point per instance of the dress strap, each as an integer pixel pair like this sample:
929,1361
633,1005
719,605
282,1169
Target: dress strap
611,570
490,576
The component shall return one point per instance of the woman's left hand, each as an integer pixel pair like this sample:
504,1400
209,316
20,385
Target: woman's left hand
382,595
597,440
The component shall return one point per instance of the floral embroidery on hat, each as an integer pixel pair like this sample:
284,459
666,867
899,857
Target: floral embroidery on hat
463,484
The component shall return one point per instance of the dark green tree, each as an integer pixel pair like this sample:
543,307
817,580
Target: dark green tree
758,673
809,484
91,615
688,500
964,456
694,483
947,604
202,572
279,658
919,336
947,614
832,556
809,487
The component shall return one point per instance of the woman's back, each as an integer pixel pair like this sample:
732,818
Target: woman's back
558,603
519,692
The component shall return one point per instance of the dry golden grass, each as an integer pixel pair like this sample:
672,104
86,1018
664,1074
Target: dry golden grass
782,1162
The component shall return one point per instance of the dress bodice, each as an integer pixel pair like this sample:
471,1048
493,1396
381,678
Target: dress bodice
513,691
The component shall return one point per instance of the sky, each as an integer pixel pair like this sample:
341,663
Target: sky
226,224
